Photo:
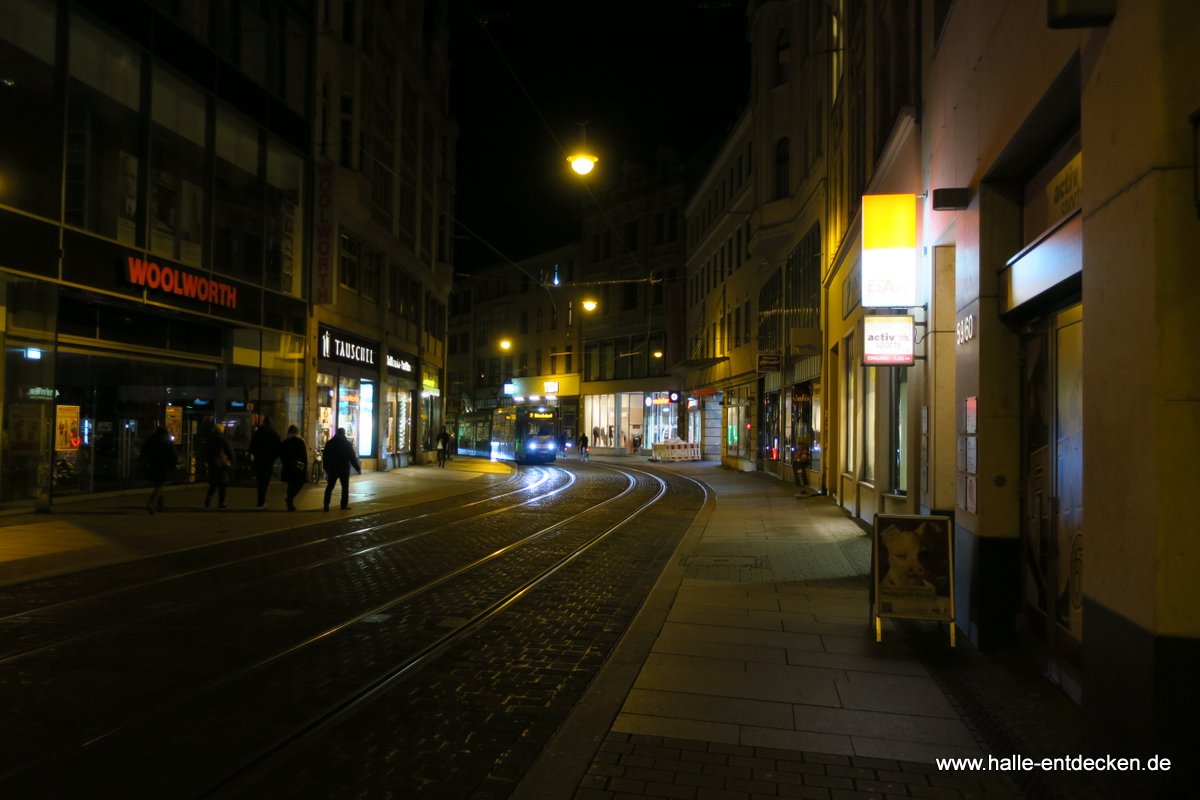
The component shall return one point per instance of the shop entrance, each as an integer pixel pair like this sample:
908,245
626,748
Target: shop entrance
108,406
1052,501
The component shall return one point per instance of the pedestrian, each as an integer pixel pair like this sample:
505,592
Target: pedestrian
293,464
339,457
443,446
264,449
159,460
583,448
219,456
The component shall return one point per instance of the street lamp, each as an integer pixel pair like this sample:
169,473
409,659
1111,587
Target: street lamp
582,163
582,160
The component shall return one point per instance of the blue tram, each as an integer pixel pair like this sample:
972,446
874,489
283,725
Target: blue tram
522,433
525,433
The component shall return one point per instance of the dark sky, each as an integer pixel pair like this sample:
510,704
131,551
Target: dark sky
641,74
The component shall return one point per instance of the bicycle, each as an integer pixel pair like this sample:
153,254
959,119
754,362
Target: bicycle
318,469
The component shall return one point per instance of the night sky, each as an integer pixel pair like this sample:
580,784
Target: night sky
641,74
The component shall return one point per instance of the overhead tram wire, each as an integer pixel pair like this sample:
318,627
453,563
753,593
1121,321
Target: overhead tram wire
481,22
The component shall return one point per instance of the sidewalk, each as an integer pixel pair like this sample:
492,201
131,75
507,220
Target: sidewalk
752,671
98,530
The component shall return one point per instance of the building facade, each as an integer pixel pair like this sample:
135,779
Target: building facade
154,198
383,209
591,324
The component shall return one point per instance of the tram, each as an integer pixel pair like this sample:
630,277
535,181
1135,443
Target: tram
475,434
525,433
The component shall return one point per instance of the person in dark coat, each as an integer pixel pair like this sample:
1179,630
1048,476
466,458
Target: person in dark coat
160,460
293,460
264,449
219,456
339,457
443,446
584,455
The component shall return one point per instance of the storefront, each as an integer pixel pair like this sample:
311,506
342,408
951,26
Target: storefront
629,422
348,393
88,377
402,386
429,420
739,427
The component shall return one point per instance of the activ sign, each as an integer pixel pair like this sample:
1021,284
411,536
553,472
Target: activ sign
888,340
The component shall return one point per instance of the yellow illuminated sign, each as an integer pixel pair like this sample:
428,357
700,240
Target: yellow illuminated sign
889,250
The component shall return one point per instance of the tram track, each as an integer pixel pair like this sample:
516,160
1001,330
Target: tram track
477,590
15,627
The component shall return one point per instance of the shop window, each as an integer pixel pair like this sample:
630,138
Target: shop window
870,375
847,411
365,441
899,428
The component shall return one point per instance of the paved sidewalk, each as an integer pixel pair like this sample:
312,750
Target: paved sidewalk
752,671
104,529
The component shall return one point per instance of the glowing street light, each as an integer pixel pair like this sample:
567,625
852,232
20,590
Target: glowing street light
505,344
590,305
582,163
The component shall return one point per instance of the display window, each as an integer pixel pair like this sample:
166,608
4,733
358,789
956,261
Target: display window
619,421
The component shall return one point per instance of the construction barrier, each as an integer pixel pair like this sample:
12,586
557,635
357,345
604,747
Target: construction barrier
676,451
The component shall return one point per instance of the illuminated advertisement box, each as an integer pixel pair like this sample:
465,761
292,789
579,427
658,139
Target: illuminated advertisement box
889,251
888,340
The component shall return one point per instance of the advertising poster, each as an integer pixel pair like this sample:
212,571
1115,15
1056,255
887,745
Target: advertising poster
66,428
913,567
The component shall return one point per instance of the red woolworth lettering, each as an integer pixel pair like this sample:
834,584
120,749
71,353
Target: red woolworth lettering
177,281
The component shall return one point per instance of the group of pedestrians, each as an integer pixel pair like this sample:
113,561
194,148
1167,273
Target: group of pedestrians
160,461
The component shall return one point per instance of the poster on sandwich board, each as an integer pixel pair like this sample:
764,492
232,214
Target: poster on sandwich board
913,568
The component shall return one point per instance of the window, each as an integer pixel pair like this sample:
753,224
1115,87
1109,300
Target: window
631,236
285,218
238,216
372,266
899,426
629,297
348,258
177,160
870,375
783,57
782,184
523,325
848,398
104,164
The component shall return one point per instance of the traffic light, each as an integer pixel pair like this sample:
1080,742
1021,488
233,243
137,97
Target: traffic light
673,395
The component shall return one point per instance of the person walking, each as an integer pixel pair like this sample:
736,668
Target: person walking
293,461
219,456
264,449
583,448
443,446
339,457
160,460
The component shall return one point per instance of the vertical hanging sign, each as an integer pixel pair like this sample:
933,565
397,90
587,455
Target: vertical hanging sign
889,251
325,238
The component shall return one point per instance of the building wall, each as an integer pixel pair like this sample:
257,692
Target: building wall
166,284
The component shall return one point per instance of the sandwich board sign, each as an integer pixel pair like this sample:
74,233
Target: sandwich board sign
912,567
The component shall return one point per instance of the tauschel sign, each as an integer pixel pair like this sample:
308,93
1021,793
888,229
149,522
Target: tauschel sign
338,346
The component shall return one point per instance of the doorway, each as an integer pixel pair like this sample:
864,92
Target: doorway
1052,500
